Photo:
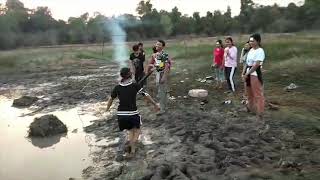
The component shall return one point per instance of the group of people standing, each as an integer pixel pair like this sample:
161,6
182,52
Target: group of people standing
252,56
225,63
133,83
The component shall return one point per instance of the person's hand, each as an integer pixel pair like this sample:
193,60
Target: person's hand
227,50
157,107
244,77
221,67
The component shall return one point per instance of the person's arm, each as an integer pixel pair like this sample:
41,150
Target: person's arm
132,67
149,99
109,103
244,73
166,71
144,61
252,69
232,53
150,64
213,58
223,61
241,56
114,94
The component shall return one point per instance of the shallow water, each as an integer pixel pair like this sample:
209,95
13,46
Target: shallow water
58,157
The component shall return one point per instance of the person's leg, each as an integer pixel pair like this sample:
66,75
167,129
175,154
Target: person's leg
257,91
163,96
227,75
131,140
136,134
221,76
217,74
232,85
250,97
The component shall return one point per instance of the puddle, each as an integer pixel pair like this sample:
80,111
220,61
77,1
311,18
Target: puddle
58,157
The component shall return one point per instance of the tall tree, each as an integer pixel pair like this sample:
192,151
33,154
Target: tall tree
246,11
144,7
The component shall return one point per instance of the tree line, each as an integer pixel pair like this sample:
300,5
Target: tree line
20,26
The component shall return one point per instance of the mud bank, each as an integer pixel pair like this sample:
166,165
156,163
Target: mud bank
193,144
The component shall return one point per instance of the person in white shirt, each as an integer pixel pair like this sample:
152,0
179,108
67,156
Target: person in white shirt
252,75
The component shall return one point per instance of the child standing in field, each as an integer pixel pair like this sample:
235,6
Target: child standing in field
128,114
217,63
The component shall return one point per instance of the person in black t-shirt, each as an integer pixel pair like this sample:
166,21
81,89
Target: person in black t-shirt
140,44
128,114
137,59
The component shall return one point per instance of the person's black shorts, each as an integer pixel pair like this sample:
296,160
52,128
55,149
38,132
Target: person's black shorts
129,122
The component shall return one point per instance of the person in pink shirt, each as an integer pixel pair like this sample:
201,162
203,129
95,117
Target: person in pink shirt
217,63
230,63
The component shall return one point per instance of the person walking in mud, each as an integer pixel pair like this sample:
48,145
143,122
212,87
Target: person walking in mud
252,75
137,60
128,114
160,62
217,63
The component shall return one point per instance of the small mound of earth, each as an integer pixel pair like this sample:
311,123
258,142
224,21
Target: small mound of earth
47,125
24,101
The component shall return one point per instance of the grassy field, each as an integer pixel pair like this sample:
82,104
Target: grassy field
292,58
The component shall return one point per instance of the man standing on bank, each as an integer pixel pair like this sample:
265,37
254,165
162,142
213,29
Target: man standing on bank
137,59
161,63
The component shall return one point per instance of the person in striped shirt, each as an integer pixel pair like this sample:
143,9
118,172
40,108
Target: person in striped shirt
128,114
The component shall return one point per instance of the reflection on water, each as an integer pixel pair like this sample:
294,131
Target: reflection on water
58,157
46,142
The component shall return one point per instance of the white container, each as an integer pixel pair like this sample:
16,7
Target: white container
198,93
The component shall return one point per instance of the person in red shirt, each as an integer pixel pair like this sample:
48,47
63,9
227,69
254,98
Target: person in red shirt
218,63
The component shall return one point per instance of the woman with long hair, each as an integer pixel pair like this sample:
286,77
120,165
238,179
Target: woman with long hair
252,75
230,63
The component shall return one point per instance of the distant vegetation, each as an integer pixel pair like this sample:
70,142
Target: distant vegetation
20,26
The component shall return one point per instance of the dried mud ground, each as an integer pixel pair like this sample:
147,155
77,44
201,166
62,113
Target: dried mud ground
211,141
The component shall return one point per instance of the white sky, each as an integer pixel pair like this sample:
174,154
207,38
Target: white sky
63,9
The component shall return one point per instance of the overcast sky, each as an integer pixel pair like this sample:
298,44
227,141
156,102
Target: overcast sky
63,9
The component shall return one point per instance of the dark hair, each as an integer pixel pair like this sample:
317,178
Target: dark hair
135,47
245,51
140,44
257,37
220,42
154,49
162,42
230,39
125,73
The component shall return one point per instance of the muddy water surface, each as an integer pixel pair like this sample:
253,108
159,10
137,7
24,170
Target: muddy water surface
58,157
